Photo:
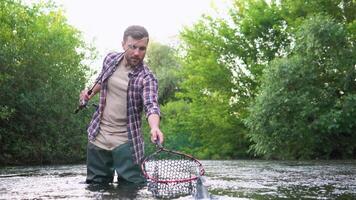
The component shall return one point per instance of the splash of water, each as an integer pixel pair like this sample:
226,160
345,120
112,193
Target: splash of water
201,189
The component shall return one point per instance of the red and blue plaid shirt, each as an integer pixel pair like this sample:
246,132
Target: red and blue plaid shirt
142,93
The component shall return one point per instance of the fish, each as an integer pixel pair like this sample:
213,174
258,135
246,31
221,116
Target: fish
201,191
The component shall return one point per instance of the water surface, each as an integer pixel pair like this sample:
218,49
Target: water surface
239,179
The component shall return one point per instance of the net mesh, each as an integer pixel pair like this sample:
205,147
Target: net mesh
173,177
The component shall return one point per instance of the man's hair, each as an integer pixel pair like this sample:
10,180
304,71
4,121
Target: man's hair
136,32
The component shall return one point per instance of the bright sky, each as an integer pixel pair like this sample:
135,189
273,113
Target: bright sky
104,21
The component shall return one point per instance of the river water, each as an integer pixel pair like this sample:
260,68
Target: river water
238,179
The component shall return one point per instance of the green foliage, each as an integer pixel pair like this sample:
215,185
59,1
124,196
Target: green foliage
302,109
223,63
267,56
163,62
340,10
274,79
174,126
41,75
207,88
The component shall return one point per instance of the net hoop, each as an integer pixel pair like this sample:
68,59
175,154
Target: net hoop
153,179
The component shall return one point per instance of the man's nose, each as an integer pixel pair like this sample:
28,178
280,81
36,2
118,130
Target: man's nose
136,51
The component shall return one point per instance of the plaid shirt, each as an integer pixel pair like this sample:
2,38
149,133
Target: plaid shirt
142,93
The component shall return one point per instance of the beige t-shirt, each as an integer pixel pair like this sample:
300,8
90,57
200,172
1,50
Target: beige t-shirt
113,125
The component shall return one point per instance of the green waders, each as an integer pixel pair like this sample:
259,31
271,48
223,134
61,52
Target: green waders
101,164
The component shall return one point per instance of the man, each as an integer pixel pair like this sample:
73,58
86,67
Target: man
126,86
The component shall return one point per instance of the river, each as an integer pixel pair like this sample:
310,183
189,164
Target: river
238,179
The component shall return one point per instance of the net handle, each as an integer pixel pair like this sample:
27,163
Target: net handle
158,144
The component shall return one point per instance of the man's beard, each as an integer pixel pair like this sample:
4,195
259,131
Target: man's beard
133,61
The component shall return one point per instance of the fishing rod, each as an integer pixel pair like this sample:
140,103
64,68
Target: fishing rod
83,103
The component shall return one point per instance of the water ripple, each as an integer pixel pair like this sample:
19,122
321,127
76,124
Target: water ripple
239,179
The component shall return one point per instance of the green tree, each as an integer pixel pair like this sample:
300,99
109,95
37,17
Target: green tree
207,88
163,61
41,74
223,62
306,104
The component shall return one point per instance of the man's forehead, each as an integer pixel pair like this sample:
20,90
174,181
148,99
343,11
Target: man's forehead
142,41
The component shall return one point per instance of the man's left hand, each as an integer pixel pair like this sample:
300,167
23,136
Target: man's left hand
156,134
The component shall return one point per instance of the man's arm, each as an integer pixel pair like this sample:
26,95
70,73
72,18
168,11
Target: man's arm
150,101
156,134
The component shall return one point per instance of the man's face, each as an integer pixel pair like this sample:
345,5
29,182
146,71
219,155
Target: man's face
136,50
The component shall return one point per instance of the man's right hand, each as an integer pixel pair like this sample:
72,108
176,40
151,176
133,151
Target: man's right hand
84,97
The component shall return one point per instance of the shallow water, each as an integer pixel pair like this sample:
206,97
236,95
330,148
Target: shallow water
239,179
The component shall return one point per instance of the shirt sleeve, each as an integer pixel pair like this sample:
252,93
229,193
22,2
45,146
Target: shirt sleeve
150,95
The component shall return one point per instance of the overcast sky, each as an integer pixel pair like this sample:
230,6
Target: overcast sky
104,21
